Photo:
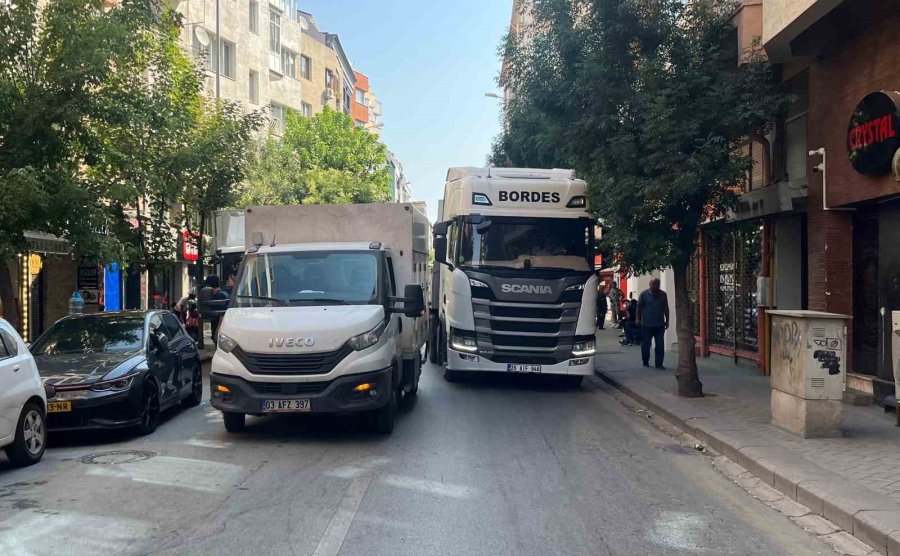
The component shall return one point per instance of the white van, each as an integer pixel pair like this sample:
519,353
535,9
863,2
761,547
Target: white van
23,402
325,314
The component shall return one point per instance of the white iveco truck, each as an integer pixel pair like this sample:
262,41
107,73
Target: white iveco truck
516,292
315,323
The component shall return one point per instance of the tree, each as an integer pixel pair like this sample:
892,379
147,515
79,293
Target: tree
323,159
644,98
54,62
216,160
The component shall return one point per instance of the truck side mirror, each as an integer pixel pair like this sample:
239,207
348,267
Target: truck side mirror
414,304
440,242
413,301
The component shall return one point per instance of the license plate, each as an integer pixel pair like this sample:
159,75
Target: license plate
510,368
59,407
286,406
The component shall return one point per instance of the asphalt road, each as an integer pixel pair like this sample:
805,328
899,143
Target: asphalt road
493,466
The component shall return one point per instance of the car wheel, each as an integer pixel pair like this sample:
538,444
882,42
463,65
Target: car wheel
31,437
452,376
384,417
196,396
149,410
234,422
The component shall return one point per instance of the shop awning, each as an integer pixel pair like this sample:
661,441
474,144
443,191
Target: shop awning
40,242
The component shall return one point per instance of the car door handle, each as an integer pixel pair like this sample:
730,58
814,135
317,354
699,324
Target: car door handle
16,368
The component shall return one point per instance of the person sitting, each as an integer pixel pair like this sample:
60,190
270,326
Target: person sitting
632,332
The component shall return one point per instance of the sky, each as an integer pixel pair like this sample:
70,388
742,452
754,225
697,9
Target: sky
430,63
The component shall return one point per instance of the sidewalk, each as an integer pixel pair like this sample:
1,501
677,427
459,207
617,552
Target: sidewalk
854,481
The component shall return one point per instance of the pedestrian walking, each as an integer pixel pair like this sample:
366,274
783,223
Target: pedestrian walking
602,306
653,320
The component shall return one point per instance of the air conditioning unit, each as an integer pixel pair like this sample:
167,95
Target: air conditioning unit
329,94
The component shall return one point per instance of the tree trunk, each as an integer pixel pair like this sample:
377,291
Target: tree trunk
689,384
8,295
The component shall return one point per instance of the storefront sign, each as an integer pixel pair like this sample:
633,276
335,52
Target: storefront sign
35,264
189,246
874,133
89,281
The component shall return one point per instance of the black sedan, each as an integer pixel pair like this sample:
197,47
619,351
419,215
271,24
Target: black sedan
117,370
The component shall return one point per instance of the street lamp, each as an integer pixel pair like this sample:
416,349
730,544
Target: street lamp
493,95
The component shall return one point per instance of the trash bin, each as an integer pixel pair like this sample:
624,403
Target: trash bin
76,304
808,358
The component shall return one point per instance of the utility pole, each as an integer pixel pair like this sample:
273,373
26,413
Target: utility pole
218,50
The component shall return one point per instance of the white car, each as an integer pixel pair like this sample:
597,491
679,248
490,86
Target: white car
23,402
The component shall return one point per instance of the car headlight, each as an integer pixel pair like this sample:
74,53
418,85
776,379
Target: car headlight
117,385
368,339
226,344
477,283
583,349
463,343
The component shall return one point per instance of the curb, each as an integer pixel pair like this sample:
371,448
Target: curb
870,517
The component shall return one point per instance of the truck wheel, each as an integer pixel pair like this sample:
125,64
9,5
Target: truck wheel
31,436
384,417
417,372
441,347
234,422
434,340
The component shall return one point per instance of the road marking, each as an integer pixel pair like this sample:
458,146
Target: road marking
192,474
44,532
203,443
677,530
429,487
337,529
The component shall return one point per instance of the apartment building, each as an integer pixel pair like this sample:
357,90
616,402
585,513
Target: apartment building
259,57
327,75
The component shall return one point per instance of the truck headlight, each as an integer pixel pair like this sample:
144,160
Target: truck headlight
226,344
368,339
583,349
463,343
477,283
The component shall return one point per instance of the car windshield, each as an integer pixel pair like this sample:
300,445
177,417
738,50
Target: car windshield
524,243
92,335
311,278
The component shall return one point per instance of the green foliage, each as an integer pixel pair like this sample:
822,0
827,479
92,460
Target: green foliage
325,159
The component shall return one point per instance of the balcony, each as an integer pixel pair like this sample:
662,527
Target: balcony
785,20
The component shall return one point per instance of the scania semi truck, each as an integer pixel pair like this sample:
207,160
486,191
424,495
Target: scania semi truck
516,291
324,316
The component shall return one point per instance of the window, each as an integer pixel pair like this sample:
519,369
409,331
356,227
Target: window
95,334
795,117
228,68
329,79
8,345
360,97
275,41
254,87
277,113
254,17
307,109
305,67
289,63
390,272
348,97
173,327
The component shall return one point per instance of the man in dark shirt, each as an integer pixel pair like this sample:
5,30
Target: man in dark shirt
653,318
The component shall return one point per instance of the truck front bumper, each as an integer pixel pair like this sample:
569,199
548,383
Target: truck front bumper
335,396
456,361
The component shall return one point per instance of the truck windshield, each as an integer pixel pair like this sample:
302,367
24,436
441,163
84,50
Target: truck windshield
309,278
519,243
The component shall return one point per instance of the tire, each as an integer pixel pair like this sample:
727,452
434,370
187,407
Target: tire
196,395
31,437
234,422
434,341
149,410
417,373
384,417
452,376
442,347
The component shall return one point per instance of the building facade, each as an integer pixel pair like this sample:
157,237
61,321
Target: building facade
328,76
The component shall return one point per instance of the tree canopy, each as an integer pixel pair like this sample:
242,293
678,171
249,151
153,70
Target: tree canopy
322,159
645,99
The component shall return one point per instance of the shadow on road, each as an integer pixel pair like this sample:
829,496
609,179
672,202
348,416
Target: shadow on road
74,439
503,381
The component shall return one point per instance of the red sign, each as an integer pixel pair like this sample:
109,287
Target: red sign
189,246
872,136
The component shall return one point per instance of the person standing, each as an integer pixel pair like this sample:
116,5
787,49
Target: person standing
653,319
615,302
601,306
213,292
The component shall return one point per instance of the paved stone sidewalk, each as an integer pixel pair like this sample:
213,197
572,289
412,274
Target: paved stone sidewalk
736,418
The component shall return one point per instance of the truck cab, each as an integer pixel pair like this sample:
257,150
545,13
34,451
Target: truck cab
517,291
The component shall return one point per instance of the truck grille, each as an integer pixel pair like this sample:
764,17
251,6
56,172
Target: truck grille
289,388
292,363
509,332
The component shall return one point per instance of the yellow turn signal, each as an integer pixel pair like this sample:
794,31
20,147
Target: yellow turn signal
221,388
365,386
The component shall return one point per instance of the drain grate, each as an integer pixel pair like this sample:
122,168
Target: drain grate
118,457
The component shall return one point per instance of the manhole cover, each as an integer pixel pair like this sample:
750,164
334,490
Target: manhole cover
118,457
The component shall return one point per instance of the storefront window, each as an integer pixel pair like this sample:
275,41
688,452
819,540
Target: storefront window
161,289
733,263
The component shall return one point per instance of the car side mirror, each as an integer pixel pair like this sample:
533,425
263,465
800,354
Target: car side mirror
413,302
